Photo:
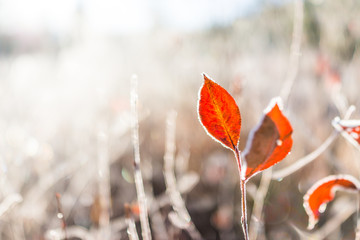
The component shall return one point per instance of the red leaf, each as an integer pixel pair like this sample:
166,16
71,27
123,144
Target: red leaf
269,142
323,191
219,114
351,128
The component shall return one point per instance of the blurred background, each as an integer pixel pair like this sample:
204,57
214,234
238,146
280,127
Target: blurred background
65,119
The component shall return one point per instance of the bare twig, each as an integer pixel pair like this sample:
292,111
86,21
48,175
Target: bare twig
347,136
313,155
261,192
60,215
131,227
162,200
158,223
144,221
294,51
349,112
104,185
307,159
9,202
72,232
170,180
357,230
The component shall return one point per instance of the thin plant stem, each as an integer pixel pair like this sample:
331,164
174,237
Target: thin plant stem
243,209
357,230
131,227
104,185
60,215
307,159
169,173
73,231
159,229
9,202
349,112
259,202
119,224
144,220
294,50
314,154
243,195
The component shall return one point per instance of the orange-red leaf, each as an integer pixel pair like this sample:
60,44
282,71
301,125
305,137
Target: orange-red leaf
269,142
219,114
352,128
323,191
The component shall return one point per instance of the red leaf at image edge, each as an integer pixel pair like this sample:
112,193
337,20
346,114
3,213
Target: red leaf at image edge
323,191
269,142
219,114
352,128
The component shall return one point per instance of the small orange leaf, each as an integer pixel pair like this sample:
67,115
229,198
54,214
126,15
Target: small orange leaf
269,142
352,128
219,114
323,191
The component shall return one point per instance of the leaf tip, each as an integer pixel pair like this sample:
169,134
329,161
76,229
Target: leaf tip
312,218
276,101
206,77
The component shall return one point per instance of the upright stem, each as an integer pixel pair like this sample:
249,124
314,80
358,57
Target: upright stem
258,206
131,227
104,184
357,230
60,215
243,196
144,221
176,200
295,50
243,209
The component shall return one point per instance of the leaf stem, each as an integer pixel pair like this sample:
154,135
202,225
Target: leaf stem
243,195
243,209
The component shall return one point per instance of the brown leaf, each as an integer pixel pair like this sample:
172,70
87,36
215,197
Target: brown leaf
269,142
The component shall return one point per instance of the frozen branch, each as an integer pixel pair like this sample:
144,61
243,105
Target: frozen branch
259,203
144,220
60,215
307,159
316,153
175,198
295,53
131,227
9,202
104,185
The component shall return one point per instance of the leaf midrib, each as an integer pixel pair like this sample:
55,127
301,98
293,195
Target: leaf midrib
221,116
